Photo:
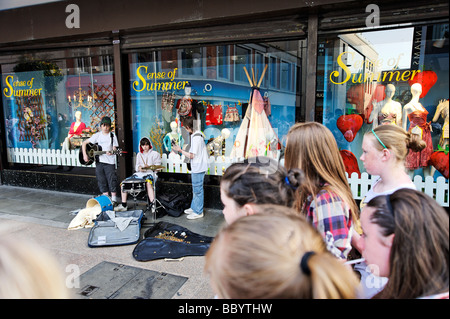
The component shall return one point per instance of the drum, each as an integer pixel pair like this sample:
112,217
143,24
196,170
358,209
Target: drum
133,186
104,201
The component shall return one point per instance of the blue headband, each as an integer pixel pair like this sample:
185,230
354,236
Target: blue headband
374,134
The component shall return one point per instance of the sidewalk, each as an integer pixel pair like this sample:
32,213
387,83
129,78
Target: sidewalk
43,216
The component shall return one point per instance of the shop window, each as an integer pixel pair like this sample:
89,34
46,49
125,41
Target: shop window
219,99
368,79
52,101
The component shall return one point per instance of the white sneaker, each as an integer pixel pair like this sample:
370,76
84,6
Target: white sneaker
194,216
189,211
120,208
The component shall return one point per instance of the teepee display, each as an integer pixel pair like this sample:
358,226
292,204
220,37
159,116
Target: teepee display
255,137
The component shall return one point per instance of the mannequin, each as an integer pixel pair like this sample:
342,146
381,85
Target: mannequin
184,105
172,136
76,129
387,111
442,111
167,102
417,116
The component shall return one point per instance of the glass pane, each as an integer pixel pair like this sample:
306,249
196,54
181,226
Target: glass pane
162,93
54,104
370,79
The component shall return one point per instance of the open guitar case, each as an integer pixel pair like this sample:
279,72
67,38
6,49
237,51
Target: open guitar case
166,240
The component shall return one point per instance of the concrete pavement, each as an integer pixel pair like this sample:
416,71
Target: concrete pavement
43,216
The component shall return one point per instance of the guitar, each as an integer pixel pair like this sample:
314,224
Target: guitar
93,151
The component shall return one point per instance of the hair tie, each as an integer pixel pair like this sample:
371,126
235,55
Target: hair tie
286,181
304,262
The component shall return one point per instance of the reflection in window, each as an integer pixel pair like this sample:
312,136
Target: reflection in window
273,72
223,62
285,76
218,87
241,59
192,61
259,65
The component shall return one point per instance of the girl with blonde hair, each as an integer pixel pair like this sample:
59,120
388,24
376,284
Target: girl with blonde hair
324,196
384,151
276,253
29,272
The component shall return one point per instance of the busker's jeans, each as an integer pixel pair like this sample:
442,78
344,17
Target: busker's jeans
197,192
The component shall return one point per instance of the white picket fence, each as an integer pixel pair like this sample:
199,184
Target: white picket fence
44,156
436,189
439,189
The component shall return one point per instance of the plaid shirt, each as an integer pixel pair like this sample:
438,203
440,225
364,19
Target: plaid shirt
332,218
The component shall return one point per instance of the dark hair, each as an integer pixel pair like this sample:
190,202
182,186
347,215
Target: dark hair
261,180
105,120
419,256
145,141
188,122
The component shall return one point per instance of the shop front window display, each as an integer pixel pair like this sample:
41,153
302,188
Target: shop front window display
52,102
389,77
226,89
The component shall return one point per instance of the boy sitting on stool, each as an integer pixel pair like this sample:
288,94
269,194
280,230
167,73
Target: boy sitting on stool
145,158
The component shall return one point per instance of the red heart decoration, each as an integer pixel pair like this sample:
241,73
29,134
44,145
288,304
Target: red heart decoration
349,125
350,162
426,78
440,161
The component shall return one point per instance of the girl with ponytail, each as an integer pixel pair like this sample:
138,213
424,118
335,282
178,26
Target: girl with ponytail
384,152
257,180
276,253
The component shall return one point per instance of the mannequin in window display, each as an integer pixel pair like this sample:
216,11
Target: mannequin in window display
442,111
184,105
387,111
172,136
416,115
188,107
